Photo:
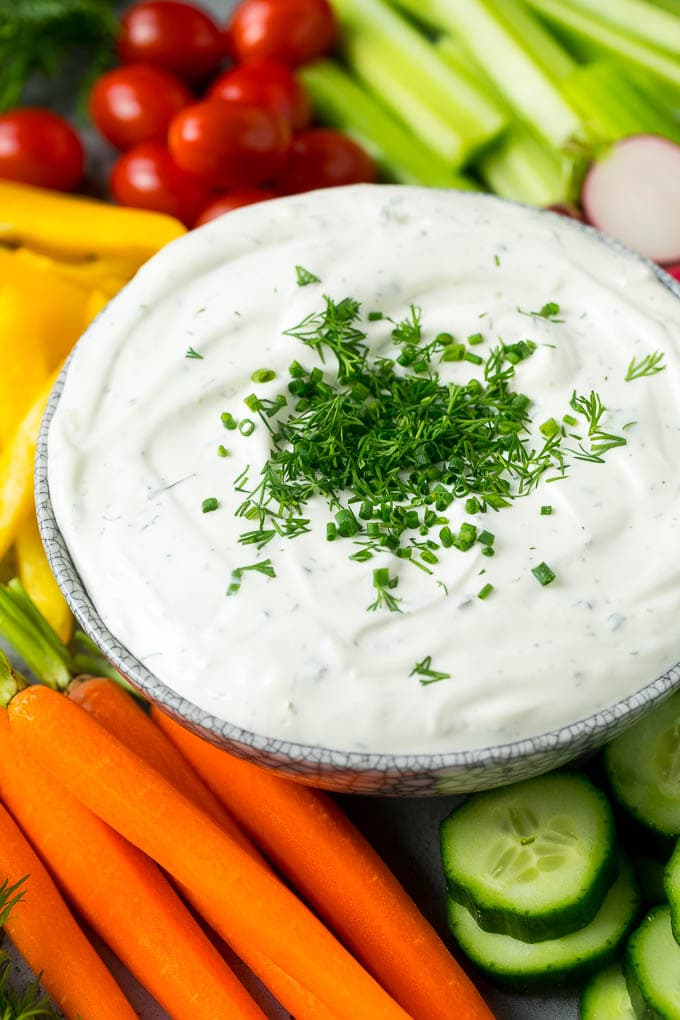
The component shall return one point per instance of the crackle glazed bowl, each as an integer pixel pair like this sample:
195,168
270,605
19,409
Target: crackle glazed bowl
506,751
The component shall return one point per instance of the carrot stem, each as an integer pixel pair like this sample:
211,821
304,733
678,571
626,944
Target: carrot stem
340,875
121,894
247,906
46,934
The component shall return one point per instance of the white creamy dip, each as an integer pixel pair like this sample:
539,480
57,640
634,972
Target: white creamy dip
133,454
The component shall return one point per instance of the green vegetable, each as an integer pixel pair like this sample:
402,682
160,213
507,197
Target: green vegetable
426,674
652,966
343,103
543,574
533,860
441,107
44,35
606,997
535,965
649,365
210,504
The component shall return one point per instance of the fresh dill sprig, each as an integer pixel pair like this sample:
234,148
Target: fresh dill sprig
265,567
30,1004
304,277
549,311
191,353
649,365
382,582
426,674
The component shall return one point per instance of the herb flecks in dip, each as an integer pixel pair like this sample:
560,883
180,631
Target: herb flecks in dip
577,608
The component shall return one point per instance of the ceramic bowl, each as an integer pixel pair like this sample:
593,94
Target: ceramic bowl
405,775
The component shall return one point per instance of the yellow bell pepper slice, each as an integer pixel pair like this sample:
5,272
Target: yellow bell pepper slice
24,366
61,303
88,272
70,225
16,469
37,578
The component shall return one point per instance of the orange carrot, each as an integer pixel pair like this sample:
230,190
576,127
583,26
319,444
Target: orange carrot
47,935
331,864
117,712
241,900
121,894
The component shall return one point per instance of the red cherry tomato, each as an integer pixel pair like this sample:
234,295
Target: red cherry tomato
147,177
176,36
268,84
136,104
291,31
229,144
38,147
233,200
320,158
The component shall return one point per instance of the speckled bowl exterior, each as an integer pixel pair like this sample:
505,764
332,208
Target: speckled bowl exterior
409,775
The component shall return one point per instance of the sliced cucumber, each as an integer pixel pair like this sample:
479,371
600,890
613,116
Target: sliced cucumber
671,885
643,768
534,965
533,860
650,875
606,997
652,968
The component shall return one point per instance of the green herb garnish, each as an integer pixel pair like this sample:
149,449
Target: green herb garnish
382,582
261,567
549,310
485,592
546,511
191,353
263,375
304,277
543,574
649,365
426,674
246,426
210,504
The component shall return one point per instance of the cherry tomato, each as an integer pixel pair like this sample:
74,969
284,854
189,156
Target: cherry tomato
147,177
136,104
40,148
231,200
320,158
268,84
229,144
176,36
291,31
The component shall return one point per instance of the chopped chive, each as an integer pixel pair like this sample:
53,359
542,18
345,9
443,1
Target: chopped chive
347,523
549,428
296,370
488,550
209,504
475,338
304,277
546,510
228,420
474,359
485,592
246,427
222,451
543,574
486,538
253,402
375,316
467,536
444,340
472,505
453,352
446,537
569,419
263,375
331,531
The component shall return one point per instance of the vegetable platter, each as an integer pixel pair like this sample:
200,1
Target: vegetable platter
533,164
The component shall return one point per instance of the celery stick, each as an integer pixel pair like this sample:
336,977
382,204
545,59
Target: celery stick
612,107
641,20
522,167
517,72
339,101
556,62
615,43
455,54
390,55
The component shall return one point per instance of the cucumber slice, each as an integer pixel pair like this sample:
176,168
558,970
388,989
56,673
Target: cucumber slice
533,860
531,966
671,885
606,997
650,875
652,968
643,768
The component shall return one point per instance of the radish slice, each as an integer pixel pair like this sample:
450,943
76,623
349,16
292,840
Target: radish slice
633,193
566,209
674,271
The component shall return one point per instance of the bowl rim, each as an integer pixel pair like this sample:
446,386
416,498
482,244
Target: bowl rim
250,743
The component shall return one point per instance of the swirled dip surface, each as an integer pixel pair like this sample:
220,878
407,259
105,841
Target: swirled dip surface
133,453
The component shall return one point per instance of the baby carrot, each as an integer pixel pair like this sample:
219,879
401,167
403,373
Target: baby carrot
47,935
118,712
121,894
241,900
329,862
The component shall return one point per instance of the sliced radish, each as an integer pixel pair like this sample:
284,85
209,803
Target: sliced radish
566,209
633,193
674,271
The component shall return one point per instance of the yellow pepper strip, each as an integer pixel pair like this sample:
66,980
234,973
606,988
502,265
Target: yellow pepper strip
67,224
60,303
23,356
85,272
16,470
38,580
